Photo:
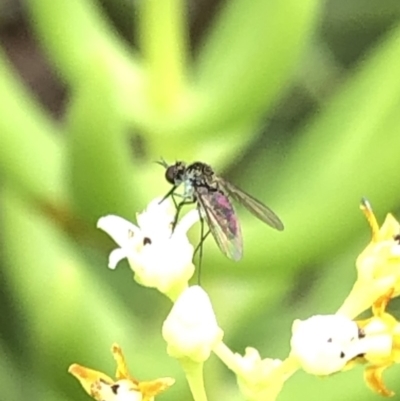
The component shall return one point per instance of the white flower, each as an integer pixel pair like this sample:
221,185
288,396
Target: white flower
160,258
324,344
378,337
191,328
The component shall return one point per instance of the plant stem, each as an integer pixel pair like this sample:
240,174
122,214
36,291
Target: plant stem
174,292
227,356
288,367
194,376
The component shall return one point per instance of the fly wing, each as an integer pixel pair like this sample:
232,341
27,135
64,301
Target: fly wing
222,221
258,209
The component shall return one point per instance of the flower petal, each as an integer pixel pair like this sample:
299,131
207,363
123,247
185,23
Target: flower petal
116,256
156,221
88,376
164,265
155,387
187,221
119,229
373,378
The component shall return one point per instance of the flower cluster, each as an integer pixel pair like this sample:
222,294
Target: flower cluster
160,256
328,344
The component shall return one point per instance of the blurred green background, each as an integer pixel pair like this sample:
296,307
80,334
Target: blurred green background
298,102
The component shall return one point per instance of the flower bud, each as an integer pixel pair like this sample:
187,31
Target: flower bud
191,328
259,379
324,344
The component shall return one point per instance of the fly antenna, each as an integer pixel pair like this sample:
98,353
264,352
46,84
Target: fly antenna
162,162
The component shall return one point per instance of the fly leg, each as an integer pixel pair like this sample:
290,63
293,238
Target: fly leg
199,247
169,194
179,208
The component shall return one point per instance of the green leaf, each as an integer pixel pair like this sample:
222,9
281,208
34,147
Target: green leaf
101,175
248,57
72,32
31,153
346,152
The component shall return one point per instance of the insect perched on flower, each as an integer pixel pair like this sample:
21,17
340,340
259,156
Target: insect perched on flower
212,195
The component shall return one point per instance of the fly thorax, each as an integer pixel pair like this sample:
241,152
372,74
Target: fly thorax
188,190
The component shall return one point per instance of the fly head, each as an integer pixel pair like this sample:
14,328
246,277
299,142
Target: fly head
175,173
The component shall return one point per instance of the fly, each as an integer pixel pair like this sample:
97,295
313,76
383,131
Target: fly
213,195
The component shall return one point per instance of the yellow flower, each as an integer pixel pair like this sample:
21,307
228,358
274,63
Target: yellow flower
378,266
124,388
382,331
381,258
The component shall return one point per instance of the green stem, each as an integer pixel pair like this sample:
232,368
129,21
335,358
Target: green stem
174,292
227,357
163,41
194,376
288,367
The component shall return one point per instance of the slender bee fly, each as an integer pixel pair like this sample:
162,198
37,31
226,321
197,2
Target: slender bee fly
213,195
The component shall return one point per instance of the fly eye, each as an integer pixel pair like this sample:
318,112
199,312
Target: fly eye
170,174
